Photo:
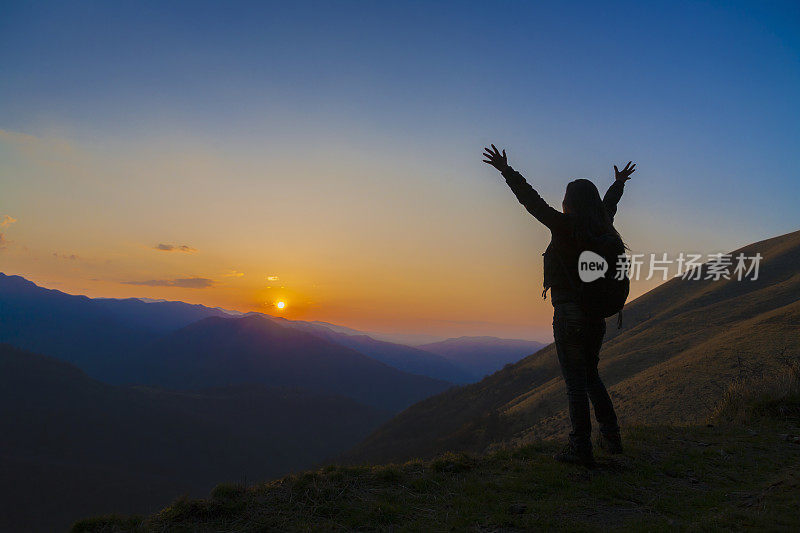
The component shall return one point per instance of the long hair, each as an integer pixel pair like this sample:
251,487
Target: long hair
582,200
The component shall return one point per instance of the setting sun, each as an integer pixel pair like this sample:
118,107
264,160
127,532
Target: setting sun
280,305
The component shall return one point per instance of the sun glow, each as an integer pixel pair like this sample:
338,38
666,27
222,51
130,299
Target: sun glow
280,305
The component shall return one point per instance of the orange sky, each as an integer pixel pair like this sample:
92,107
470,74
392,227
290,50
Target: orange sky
408,250
320,233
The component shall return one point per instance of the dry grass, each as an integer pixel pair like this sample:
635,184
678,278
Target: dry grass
776,391
700,479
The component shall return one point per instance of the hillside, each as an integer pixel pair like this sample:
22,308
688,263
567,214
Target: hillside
74,446
730,475
681,344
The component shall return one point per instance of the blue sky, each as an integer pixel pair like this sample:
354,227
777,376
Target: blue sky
396,99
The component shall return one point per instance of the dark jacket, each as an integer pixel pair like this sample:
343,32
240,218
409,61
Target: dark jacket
561,255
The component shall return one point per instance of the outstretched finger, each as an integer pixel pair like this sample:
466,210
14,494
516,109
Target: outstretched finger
616,170
496,150
504,155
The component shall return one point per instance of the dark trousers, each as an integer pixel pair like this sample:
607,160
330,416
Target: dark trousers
578,340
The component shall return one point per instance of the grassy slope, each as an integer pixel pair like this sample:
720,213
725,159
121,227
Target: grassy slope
681,344
698,478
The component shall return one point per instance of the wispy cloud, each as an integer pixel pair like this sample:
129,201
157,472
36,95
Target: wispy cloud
185,248
5,221
233,274
17,136
70,257
185,283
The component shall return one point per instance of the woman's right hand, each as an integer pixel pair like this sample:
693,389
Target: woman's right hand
495,158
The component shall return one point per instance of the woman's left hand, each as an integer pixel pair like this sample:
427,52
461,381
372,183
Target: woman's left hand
624,174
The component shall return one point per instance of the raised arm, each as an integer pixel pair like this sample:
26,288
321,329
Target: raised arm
614,193
526,195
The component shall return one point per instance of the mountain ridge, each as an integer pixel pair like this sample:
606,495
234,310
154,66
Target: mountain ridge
223,350
99,334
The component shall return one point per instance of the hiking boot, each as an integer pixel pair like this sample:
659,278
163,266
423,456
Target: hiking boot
572,455
611,444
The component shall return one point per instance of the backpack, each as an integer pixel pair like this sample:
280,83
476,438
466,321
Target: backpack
602,295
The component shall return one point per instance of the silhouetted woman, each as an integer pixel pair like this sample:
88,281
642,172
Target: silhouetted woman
578,336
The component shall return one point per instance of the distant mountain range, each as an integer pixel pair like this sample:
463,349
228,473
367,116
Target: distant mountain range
106,336
482,355
682,344
406,358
